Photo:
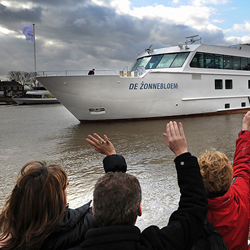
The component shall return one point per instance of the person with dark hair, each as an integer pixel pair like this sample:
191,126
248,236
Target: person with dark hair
91,72
123,208
35,207
117,204
36,215
227,188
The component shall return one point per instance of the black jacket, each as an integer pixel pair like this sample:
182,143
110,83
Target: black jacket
75,222
184,224
71,229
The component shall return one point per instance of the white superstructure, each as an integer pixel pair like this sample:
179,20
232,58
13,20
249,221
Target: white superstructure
36,97
188,79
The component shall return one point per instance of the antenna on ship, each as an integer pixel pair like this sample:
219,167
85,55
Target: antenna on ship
191,40
149,49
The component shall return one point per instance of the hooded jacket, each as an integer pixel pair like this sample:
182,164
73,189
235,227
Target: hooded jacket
230,213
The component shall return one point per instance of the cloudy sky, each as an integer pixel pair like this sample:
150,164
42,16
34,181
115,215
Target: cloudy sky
107,34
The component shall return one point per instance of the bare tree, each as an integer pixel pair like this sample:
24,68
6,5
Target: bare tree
25,78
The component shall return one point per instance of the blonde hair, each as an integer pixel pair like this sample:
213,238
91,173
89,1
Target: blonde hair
217,172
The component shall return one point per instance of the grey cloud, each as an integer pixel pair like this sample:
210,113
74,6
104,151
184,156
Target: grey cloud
10,18
57,3
85,36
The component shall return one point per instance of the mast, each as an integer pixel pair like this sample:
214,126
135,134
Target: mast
34,46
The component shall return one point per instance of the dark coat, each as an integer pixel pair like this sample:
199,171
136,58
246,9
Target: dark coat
75,222
184,224
71,229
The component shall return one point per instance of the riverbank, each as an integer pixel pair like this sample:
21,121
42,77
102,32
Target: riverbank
6,101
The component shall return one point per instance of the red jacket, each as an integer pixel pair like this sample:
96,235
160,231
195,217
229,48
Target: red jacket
230,213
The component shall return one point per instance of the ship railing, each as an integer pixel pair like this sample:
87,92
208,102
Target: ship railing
129,74
75,72
85,72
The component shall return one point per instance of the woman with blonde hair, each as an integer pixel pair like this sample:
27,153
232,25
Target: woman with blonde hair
217,172
227,188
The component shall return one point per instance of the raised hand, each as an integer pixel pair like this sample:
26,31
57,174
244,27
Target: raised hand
175,138
246,121
103,146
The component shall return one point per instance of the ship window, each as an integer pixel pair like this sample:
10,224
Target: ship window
249,84
243,63
144,61
229,84
179,60
243,104
218,84
218,61
236,62
209,60
227,105
166,60
136,64
248,64
197,61
227,62
153,62
141,62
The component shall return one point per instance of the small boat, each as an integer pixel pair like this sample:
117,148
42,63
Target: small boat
38,95
183,80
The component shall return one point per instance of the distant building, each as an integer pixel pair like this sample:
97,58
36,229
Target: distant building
10,88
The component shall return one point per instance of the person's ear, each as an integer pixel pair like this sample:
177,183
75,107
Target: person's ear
140,210
93,213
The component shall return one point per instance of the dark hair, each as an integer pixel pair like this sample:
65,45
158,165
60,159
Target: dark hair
35,206
117,198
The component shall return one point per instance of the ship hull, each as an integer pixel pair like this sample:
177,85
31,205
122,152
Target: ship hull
156,95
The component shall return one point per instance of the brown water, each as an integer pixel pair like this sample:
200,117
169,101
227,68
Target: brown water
51,133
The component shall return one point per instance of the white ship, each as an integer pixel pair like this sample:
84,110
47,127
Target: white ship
36,96
188,79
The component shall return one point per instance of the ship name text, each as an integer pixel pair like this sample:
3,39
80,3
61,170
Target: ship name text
142,86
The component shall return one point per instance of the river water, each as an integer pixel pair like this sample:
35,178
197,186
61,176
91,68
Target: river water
51,133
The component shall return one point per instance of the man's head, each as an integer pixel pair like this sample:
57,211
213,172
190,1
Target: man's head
216,171
117,199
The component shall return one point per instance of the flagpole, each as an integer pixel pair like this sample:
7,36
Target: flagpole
34,46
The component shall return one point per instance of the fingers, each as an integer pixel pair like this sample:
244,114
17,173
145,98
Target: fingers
169,132
99,138
246,121
103,146
172,129
106,139
175,138
181,130
94,141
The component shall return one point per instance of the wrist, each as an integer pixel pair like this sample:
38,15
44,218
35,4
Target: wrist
181,152
111,153
244,127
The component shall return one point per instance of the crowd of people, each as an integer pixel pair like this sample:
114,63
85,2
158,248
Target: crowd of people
36,215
